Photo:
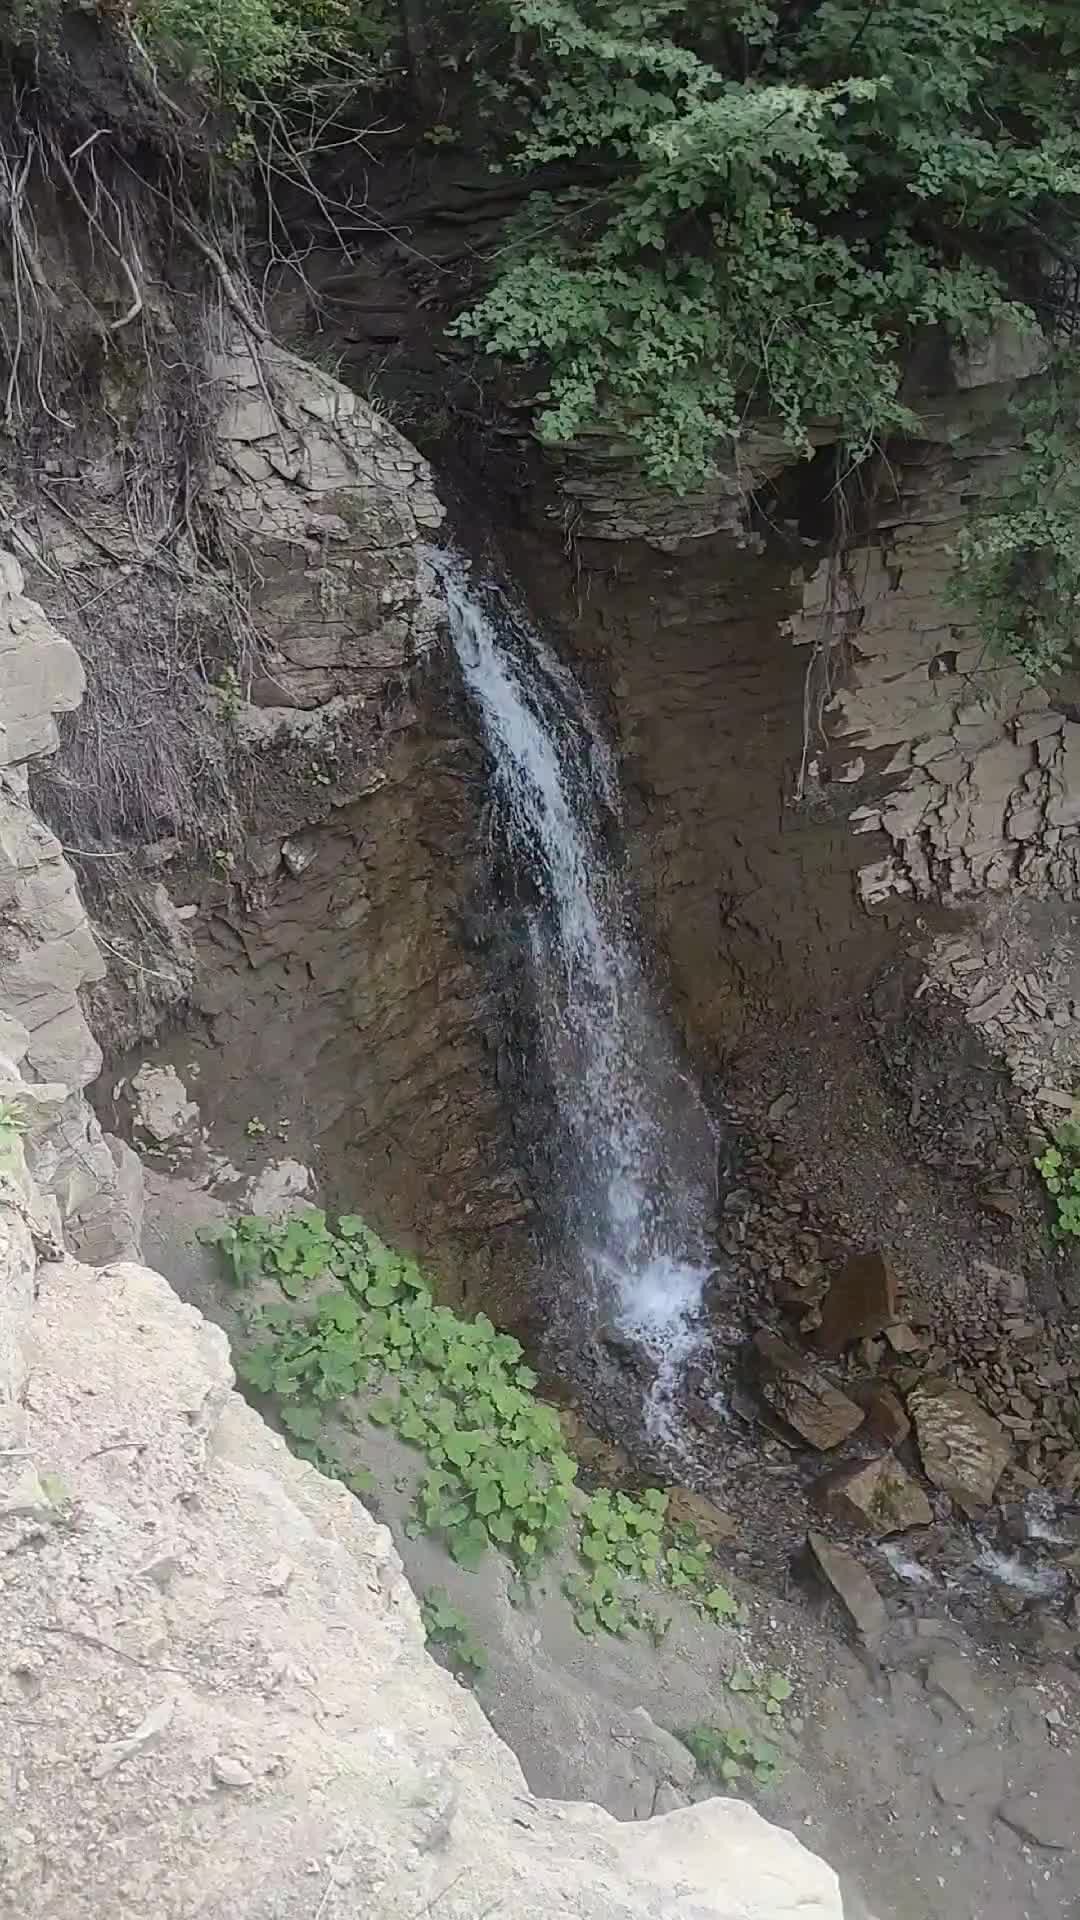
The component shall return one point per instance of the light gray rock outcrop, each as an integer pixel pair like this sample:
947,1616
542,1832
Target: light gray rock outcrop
215,1694
40,672
48,953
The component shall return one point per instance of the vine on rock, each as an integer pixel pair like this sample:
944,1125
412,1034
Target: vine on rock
1018,561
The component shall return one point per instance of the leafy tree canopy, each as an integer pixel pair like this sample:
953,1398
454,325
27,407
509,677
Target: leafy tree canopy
765,202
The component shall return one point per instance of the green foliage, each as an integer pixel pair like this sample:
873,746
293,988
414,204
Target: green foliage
1018,565
496,1469
620,1539
448,1628
238,51
623,1539
1059,1166
772,1690
729,1755
358,1319
12,1122
762,205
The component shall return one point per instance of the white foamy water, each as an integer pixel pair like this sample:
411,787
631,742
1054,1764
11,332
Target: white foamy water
638,1154
905,1566
1011,1571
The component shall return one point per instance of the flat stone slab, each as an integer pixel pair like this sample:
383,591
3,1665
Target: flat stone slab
851,1585
804,1397
951,1676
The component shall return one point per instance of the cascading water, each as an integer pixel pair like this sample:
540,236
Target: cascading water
637,1158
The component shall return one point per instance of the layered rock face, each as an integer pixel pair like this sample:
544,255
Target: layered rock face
47,950
337,984
811,758
975,772
750,901
332,504
215,1696
322,955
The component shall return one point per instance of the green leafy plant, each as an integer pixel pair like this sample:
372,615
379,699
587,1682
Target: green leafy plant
772,1689
729,1755
624,1539
243,50
12,1122
496,1469
448,1628
349,1317
1059,1166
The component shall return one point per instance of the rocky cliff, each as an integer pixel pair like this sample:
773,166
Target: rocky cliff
216,1695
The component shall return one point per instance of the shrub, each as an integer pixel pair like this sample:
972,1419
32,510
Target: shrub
238,51
496,1469
448,1628
357,1319
728,1755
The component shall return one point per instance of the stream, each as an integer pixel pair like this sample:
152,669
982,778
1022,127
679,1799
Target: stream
636,1151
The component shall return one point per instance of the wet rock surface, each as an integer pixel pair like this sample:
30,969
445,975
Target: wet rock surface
859,1303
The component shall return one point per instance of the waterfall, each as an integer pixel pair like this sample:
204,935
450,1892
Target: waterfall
636,1156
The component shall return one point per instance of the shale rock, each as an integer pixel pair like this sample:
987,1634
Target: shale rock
860,1302
885,1413
710,1522
803,1396
852,1586
975,1773
964,1449
877,1495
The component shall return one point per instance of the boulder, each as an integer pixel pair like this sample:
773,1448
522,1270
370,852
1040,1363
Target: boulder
876,1495
860,1302
802,1395
709,1522
964,1449
161,1109
280,1186
904,1339
238,1791
885,1413
851,1585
